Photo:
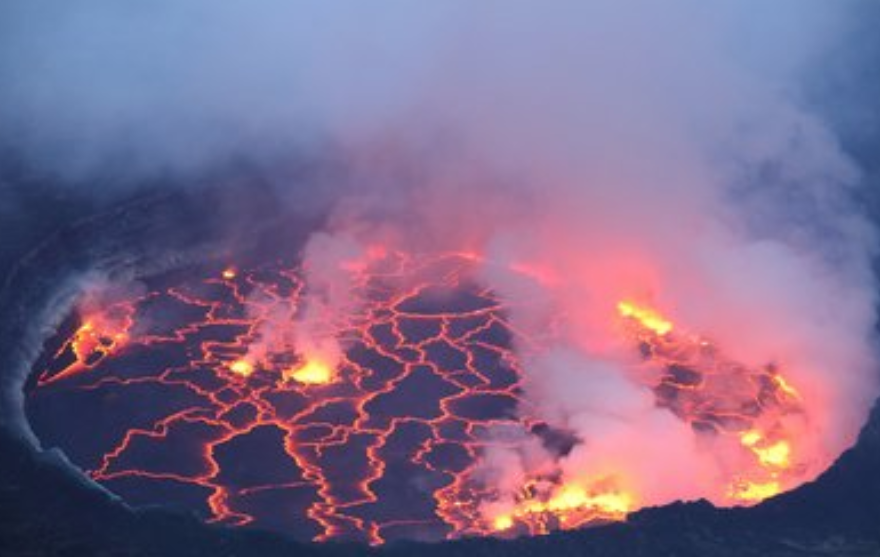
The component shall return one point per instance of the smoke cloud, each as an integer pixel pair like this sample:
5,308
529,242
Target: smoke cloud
588,152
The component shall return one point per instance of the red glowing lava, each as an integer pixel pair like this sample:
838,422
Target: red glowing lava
177,406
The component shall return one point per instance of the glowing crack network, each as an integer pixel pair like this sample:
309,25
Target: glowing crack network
157,396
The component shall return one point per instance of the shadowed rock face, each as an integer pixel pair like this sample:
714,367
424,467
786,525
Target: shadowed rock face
47,508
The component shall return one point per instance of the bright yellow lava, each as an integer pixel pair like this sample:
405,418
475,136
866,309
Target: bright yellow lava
774,458
786,387
776,455
649,318
750,438
503,522
572,505
241,367
313,372
753,491
573,497
229,273
772,455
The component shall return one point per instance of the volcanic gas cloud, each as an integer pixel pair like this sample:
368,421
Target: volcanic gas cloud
582,259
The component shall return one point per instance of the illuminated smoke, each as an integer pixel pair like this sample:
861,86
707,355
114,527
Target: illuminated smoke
588,154
308,329
686,179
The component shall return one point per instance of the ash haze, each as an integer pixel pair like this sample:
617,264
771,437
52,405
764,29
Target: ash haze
589,152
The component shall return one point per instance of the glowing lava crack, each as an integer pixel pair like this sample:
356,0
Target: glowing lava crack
174,404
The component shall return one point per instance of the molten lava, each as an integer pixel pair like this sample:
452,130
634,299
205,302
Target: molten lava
647,317
570,506
241,367
99,336
313,372
750,405
387,443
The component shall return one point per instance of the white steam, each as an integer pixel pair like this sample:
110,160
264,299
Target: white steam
661,151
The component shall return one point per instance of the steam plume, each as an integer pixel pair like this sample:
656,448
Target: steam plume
587,152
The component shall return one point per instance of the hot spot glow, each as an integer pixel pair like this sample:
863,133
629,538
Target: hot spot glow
229,273
503,522
647,317
613,504
770,454
241,367
101,334
313,372
786,387
568,506
689,362
776,455
753,492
